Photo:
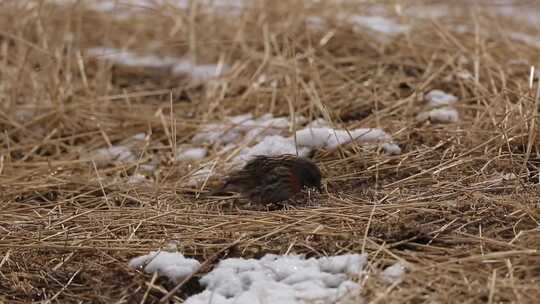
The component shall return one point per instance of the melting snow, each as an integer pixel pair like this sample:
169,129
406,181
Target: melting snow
290,279
114,154
379,24
427,11
236,126
267,132
271,145
139,136
122,153
202,72
127,6
394,273
280,279
315,22
172,265
136,178
442,115
191,154
437,98
525,38
443,112
331,138
464,74
177,65
391,148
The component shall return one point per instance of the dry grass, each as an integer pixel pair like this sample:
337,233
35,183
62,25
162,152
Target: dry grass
467,235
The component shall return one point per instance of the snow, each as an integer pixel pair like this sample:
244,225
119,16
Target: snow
521,13
178,66
279,279
114,154
525,38
191,154
437,98
136,178
464,74
315,22
216,133
514,9
440,115
347,263
440,110
172,265
271,145
129,58
244,126
291,279
124,152
150,166
139,136
308,139
318,123
394,273
223,133
266,135
314,137
391,148
201,72
379,24
127,6
427,11
324,137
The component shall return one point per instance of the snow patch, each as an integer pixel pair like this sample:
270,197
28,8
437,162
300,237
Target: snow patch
437,98
464,74
139,136
191,154
136,178
525,38
440,115
111,155
325,137
315,23
391,148
379,24
172,265
243,126
394,273
288,279
271,145
318,123
178,66
200,72
427,11
131,6
265,136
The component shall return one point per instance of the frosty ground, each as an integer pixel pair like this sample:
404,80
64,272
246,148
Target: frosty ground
117,117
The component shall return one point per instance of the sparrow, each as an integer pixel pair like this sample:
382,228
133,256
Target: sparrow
273,179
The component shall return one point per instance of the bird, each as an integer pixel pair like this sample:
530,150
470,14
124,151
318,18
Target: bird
273,179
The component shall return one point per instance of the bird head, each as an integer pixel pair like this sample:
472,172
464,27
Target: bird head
308,173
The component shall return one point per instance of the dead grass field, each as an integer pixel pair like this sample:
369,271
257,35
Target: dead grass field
68,229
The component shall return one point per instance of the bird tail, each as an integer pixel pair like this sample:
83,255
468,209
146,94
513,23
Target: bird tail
220,191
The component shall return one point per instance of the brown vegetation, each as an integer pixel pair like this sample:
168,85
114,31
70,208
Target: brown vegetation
460,205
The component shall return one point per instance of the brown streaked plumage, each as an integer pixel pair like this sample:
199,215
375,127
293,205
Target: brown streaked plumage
273,179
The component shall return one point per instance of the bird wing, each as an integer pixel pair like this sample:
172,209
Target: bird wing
279,184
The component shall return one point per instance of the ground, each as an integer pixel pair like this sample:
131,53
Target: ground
459,206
